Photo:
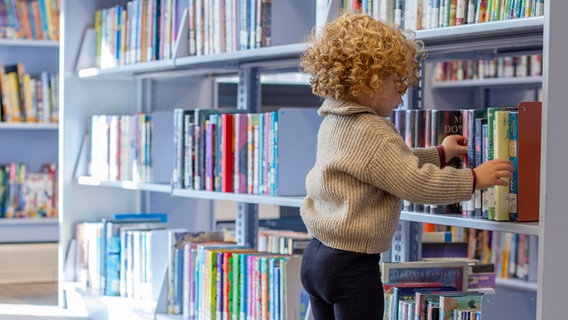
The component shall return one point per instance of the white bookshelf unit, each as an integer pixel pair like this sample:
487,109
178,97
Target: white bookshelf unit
31,143
188,81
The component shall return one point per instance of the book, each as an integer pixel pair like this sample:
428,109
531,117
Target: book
437,236
444,250
478,159
529,157
397,292
227,152
501,151
241,153
458,301
111,244
161,216
468,206
200,118
443,124
449,273
423,298
433,310
177,241
182,146
487,193
513,156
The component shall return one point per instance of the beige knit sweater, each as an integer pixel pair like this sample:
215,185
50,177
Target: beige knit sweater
362,171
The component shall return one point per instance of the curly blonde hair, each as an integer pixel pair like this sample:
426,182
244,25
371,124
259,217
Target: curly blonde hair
355,53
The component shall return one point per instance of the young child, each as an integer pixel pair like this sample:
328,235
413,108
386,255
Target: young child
363,167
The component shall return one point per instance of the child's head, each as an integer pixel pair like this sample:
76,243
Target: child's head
356,53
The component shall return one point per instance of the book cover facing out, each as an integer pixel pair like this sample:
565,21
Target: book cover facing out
449,273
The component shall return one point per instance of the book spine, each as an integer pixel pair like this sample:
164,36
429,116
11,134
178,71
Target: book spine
513,156
490,156
209,154
468,206
241,153
227,152
217,163
177,180
501,141
478,154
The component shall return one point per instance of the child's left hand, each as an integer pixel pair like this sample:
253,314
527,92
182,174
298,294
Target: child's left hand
454,145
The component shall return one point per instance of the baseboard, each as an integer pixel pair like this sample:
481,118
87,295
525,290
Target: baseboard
25,263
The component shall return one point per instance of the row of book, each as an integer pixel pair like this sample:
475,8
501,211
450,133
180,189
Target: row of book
431,301
410,286
228,25
120,147
511,133
25,194
28,98
224,150
427,14
208,276
512,256
29,19
503,67
228,280
143,30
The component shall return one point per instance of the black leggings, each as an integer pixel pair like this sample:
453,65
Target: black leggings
342,285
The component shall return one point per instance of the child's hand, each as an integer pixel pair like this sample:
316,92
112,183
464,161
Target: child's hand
454,145
492,172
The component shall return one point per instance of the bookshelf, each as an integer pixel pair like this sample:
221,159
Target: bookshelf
166,84
31,143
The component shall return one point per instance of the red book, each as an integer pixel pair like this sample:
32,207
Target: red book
227,152
529,133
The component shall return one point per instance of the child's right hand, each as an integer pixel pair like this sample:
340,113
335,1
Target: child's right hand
490,173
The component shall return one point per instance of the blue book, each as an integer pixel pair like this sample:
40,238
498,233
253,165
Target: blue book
162,217
513,156
111,245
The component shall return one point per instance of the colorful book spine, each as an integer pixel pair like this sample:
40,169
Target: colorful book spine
513,156
188,150
227,152
210,153
468,206
478,155
241,153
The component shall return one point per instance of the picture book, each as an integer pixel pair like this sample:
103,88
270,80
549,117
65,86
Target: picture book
111,244
462,301
423,298
397,292
450,273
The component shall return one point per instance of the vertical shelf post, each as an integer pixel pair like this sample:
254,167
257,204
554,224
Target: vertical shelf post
248,98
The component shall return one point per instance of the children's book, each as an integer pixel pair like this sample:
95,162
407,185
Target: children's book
461,301
448,272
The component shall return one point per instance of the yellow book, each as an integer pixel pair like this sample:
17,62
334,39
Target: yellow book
98,29
13,91
501,151
29,87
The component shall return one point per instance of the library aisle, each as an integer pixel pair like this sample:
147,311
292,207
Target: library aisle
32,301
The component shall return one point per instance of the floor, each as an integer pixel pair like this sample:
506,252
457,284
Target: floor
32,301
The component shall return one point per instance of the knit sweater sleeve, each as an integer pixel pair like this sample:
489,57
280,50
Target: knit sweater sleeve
396,170
427,155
